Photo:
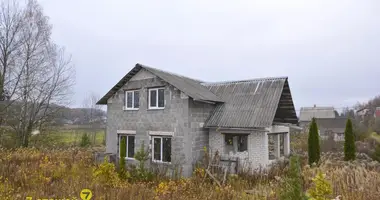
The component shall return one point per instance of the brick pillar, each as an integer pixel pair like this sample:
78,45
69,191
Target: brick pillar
287,144
235,143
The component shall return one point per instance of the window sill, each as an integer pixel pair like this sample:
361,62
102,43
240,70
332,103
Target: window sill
127,158
276,158
129,109
156,108
161,162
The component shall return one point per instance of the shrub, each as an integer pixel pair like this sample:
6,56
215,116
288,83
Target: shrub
85,140
321,189
298,142
376,154
349,142
104,140
314,151
123,154
293,186
141,173
106,174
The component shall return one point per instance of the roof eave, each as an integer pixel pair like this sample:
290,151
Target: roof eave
100,102
123,80
235,128
207,101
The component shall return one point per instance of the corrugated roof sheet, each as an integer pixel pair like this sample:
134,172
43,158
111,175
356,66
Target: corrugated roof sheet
307,113
251,103
190,87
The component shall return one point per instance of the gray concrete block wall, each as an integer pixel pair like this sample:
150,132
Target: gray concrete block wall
174,118
198,114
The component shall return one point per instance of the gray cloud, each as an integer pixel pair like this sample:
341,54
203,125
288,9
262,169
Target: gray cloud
329,49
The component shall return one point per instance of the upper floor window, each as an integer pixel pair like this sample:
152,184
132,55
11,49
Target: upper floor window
132,100
156,98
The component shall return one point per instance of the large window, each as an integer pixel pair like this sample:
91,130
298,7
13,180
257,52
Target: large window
156,98
240,140
162,149
132,100
276,145
130,145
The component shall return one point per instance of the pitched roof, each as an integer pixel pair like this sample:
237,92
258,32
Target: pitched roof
252,103
190,87
332,123
307,113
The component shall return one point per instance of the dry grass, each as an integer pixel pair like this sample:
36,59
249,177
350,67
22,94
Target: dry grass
357,180
64,173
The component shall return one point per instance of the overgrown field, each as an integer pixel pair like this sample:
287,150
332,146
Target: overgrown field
64,173
55,138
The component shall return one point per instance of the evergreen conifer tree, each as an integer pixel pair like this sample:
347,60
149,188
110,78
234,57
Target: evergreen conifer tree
349,142
313,143
123,154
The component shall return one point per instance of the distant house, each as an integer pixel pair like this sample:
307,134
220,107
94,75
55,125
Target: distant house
177,117
363,111
67,122
333,127
307,114
377,112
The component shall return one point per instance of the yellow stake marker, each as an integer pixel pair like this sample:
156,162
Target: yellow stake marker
85,194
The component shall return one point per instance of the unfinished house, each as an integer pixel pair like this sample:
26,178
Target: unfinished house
177,117
307,114
332,128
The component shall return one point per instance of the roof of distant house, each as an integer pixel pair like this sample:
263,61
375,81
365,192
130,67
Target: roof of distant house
307,113
240,104
361,109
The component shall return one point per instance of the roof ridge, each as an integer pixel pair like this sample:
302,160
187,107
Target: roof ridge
168,72
318,108
245,80
335,118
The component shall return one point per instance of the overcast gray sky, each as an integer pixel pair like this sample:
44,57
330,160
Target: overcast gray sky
329,49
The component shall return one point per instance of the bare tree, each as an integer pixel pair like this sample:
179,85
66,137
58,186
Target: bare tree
93,113
38,74
11,24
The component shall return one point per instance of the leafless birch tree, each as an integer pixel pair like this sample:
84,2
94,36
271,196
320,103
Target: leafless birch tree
37,76
94,115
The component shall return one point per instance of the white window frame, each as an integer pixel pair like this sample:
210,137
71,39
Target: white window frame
161,149
126,145
149,92
133,99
